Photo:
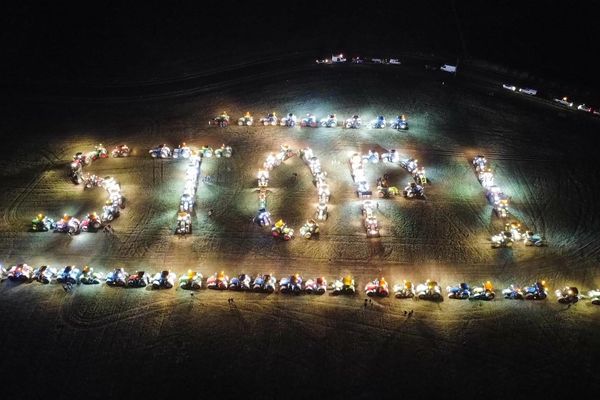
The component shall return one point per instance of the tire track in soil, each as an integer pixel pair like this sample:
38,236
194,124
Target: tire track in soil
127,248
340,239
178,93
535,213
207,80
355,326
10,215
582,238
229,188
53,158
391,311
277,312
79,320
462,231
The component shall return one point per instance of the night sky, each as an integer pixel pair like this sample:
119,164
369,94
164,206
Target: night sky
114,41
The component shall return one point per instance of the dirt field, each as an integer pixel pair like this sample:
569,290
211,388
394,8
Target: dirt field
105,341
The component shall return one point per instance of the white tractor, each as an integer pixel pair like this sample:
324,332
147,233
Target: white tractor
322,213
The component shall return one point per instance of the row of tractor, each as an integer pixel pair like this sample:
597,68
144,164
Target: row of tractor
263,217
112,207
319,179
46,274
357,170
535,291
280,229
413,189
384,189
340,58
188,198
512,231
81,159
274,160
192,174
311,227
565,100
400,122
494,194
271,119
92,222
295,284
185,151
72,275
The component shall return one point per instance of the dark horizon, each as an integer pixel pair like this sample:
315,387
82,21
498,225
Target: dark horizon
129,43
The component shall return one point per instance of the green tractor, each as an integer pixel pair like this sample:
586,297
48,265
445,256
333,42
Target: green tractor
41,223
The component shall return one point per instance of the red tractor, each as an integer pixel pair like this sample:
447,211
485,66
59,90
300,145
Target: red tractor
121,150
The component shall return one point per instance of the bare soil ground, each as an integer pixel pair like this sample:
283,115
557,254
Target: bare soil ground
103,341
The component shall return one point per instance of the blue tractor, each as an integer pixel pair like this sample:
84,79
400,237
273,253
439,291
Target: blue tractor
537,291
400,123
460,292
379,122
118,277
